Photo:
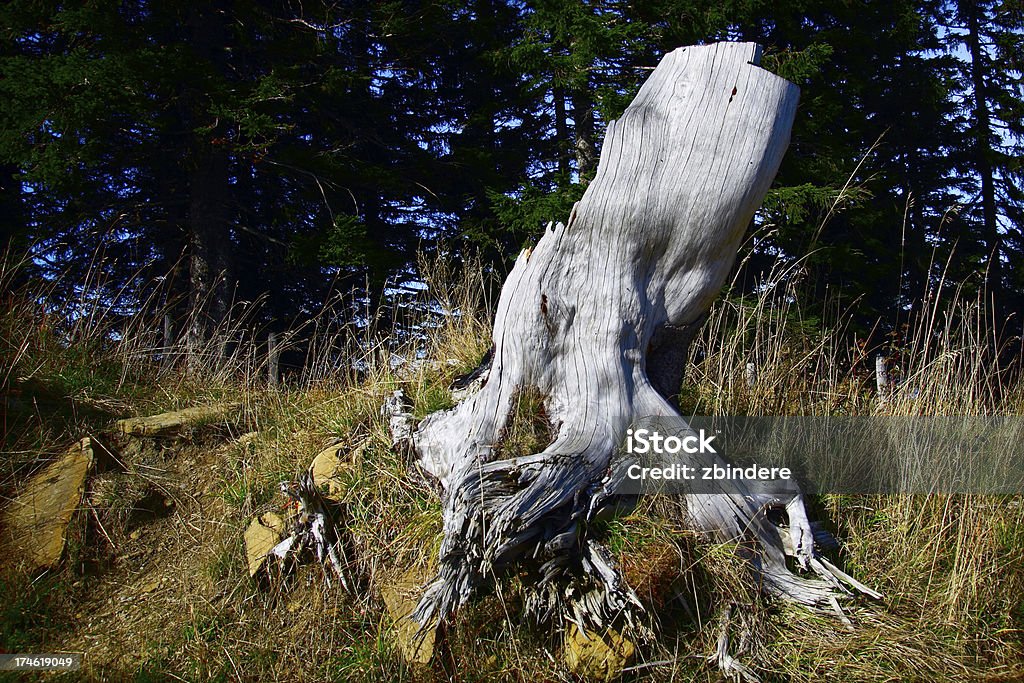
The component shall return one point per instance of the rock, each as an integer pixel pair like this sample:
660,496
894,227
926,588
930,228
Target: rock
150,584
166,423
262,535
326,470
36,521
598,657
401,599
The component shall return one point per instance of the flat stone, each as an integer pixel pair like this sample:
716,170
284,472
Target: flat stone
167,423
150,584
260,538
35,523
326,469
601,657
401,599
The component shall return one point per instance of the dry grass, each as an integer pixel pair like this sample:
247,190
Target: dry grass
167,595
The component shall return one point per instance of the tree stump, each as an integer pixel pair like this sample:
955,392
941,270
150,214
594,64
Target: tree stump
595,320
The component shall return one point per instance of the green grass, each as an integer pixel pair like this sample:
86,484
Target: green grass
952,568
431,397
528,429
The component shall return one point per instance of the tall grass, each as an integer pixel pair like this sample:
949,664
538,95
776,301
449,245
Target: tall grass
951,567
950,358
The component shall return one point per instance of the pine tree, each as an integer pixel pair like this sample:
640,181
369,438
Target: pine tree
985,40
863,191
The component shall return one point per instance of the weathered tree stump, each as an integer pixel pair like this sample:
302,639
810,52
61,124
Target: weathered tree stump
595,319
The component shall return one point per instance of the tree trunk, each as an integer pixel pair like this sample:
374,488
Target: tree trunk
983,151
209,252
13,230
211,271
14,236
592,319
583,123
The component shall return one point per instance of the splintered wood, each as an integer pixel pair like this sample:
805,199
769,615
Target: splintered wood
596,318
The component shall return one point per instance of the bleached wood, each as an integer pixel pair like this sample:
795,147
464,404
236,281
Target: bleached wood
595,317
166,353
881,378
273,359
174,421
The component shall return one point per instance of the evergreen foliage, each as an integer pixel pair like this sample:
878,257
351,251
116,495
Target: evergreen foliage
210,153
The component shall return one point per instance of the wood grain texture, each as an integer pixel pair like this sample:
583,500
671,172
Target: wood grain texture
581,318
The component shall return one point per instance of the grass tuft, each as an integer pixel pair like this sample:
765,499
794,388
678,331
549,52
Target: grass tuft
155,586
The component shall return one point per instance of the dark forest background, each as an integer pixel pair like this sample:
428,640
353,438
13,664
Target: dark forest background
192,156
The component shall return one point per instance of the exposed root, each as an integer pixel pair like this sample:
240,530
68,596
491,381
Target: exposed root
315,529
508,515
735,517
400,422
727,658
530,514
